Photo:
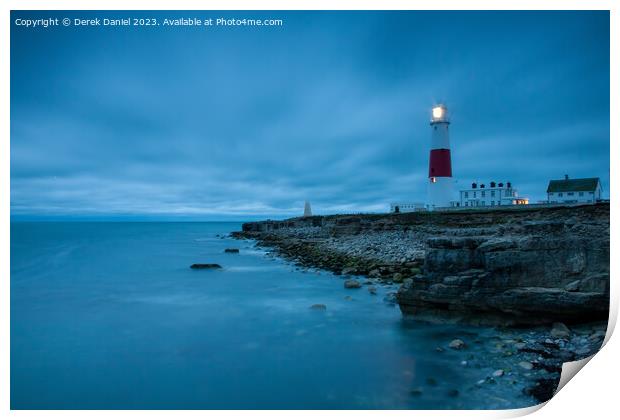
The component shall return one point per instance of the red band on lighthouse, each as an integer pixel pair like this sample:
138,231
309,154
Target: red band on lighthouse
440,163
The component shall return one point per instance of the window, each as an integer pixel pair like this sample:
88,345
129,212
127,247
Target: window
483,193
580,193
466,194
483,203
570,193
493,193
560,195
475,194
591,193
493,202
551,194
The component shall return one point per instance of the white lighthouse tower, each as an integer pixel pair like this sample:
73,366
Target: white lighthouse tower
440,162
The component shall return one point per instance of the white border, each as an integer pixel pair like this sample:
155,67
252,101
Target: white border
593,394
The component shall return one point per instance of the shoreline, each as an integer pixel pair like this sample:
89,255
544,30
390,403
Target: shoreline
438,252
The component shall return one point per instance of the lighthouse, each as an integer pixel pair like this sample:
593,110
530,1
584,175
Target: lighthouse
440,162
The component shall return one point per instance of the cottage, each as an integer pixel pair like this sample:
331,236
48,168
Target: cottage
570,191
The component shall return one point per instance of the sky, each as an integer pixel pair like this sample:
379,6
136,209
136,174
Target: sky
245,123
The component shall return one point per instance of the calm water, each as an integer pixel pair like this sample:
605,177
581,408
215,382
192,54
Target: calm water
108,315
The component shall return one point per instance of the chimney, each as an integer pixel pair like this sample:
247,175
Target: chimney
473,185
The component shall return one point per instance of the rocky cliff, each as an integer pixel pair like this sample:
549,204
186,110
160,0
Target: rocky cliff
520,266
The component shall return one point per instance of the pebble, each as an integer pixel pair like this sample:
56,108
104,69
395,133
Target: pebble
526,365
498,373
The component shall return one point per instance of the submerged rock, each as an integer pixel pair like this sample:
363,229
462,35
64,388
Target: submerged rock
319,307
352,284
232,250
203,266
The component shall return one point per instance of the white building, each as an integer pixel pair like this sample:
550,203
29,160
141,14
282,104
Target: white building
578,190
489,195
406,207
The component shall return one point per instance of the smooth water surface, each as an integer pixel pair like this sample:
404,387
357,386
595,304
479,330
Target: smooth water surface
109,315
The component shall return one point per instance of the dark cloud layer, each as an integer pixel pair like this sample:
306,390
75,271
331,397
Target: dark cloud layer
332,107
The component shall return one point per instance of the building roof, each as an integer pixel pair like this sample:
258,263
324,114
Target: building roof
578,184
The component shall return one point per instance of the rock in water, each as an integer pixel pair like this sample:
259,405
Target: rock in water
202,266
416,392
526,365
560,330
397,278
319,307
498,373
232,250
372,290
456,344
352,284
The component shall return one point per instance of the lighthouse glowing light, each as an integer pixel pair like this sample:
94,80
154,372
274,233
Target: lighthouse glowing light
440,162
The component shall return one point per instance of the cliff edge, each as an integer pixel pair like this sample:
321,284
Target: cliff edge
509,266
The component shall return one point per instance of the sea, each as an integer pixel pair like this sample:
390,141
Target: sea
109,315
